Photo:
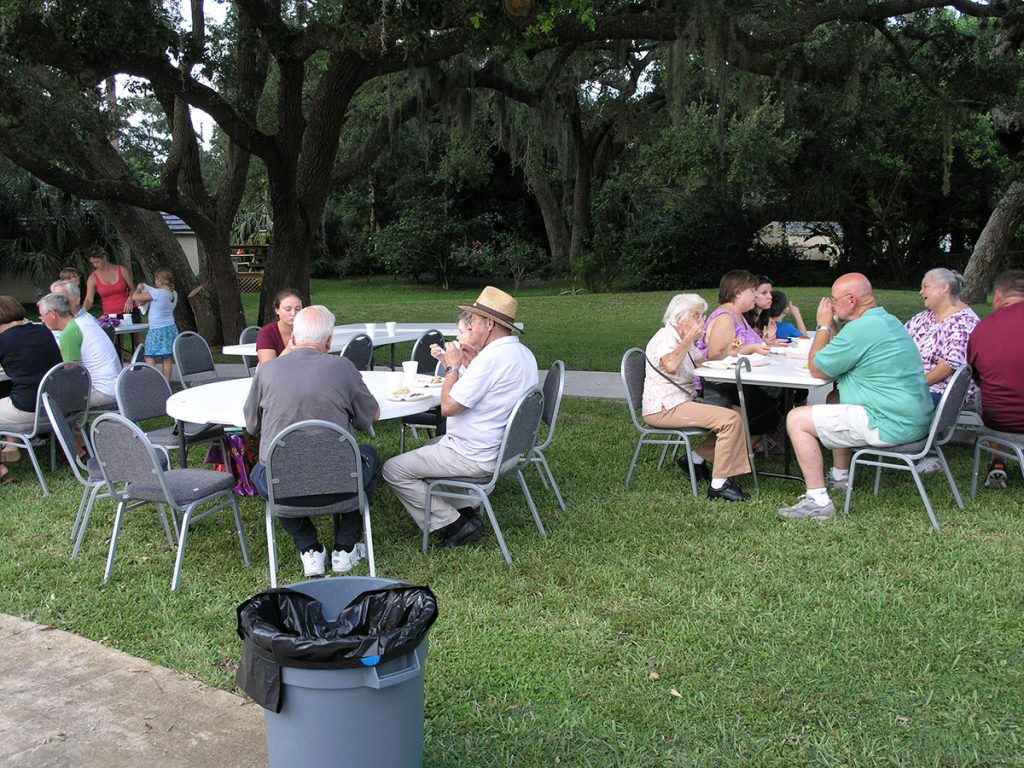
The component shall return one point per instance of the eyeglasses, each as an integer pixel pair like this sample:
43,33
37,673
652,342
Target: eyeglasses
837,299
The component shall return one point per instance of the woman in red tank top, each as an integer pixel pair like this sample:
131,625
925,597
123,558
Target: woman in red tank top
113,283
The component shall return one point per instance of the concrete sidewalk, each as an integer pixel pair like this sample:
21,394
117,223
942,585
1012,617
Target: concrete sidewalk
68,701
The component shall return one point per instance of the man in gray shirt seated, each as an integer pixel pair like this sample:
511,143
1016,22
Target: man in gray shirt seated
306,382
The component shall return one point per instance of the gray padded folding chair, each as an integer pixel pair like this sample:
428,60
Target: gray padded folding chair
135,476
87,473
633,374
142,393
68,384
315,458
905,457
554,384
1006,445
360,351
138,355
249,335
194,361
426,365
513,456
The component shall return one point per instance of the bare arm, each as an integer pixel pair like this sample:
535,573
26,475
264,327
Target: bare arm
798,321
721,338
940,372
263,355
822,338
90,292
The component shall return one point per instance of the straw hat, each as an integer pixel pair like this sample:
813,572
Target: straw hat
495,305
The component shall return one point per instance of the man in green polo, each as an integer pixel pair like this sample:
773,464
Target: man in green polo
883,396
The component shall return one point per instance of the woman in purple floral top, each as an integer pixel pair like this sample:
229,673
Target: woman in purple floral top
942,330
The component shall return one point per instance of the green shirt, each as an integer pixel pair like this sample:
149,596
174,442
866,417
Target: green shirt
70,342
878,366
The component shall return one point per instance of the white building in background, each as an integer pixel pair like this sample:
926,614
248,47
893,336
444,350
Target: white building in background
812,240
186,239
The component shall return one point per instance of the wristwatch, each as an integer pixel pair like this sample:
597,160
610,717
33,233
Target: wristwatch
825,328
450,369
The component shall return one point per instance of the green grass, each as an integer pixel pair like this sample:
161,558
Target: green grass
587,331
649,629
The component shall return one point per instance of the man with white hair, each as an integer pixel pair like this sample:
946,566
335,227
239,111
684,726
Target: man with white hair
84,342
477,401
310,383
71,289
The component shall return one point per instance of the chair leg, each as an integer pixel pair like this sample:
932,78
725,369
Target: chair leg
530,503
426,518
496,528
849,485
35,465
81,509
878,481
924,496
368,535
664,455
976,467
85,519
186,521
171,537
241,531
271,549
113,541
949,478
543,468
401,439
632,466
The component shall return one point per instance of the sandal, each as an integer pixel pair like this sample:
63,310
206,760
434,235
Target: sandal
6,476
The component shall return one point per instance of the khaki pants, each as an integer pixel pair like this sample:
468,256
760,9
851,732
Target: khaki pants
726,448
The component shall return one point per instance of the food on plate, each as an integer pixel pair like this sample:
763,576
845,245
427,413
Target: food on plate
437,380
400,391
415,395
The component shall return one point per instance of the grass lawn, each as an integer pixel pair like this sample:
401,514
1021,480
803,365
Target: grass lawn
649,629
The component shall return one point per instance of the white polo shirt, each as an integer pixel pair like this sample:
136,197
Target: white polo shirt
489,389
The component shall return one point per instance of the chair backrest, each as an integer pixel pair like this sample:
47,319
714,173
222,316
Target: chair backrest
193,358
69,385
521,432
554,385
66,438
138,354
313,458
124,453
948,409
633,374
425,362
249,335
360,351
141,391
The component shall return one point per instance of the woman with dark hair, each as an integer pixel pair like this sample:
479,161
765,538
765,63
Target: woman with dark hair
758,317
727,332
27,352
274,337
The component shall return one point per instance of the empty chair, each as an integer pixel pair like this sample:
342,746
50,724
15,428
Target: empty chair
68,384
554,384
904,457
194,361
135,476
314,458
514,455
142,393
633,375
85,468
426,365
360,351
249,335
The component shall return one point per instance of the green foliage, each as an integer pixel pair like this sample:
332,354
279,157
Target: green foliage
422,241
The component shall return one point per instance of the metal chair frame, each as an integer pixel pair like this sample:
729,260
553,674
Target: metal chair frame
514,455
249,335
1006,445
905,456
348,451
359,350
633,373
192,358
554,386
143,472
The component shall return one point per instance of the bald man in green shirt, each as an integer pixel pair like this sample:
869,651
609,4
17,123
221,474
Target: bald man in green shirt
883,395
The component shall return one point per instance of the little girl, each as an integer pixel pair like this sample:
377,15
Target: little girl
779,309
162,330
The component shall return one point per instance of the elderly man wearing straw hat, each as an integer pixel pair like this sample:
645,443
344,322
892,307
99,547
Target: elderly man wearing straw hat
477,401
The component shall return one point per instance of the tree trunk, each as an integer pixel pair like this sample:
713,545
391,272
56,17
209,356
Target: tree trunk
288,262
582,226
554,220
990,252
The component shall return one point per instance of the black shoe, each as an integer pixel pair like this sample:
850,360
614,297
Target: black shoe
731,491
700,470
472,528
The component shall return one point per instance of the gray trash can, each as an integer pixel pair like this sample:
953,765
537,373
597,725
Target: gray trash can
368,717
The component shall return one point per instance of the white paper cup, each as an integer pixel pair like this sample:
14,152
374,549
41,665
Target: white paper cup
391,328
395,380
410,368
803,345
126,319
371,328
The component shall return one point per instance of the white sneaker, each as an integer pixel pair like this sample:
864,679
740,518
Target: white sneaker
807,508
929,464
343,562
313,562
836,485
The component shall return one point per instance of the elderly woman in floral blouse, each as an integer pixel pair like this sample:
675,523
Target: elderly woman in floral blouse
942,330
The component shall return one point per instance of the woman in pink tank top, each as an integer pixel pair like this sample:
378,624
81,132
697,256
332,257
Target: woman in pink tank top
113,283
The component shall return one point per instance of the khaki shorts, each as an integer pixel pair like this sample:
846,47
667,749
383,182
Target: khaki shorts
845,426
13,419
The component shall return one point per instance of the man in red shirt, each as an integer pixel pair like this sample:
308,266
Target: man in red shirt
996,356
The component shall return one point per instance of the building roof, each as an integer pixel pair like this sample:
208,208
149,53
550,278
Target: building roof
175,224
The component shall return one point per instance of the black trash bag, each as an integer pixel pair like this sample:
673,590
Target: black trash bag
284,627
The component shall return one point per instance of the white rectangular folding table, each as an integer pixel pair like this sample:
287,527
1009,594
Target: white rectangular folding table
783,371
